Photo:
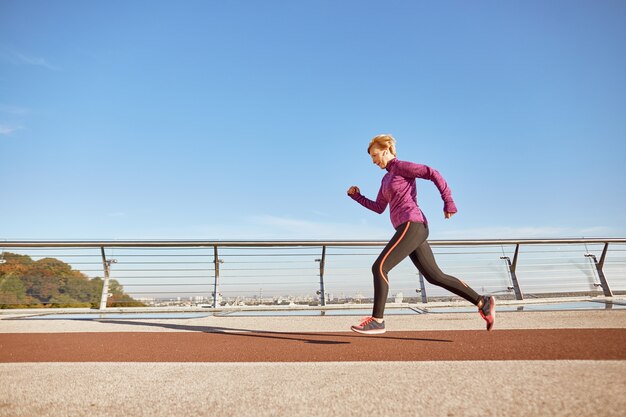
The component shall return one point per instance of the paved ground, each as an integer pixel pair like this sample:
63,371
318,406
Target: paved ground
534,363
519,388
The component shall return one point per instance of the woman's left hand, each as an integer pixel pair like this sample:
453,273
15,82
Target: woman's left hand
447,214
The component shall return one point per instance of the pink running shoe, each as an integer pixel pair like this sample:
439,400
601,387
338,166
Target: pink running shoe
488,311
369,326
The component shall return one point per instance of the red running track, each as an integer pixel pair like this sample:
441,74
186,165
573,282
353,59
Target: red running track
544,344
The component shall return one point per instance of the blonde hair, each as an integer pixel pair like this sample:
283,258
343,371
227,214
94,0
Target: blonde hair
383,142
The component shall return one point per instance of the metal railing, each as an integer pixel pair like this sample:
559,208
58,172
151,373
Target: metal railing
206,269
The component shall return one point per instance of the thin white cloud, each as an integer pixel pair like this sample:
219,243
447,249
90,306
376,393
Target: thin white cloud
522,233
290,228
37,61
12,119
6,130
14,110
285,227
117,214
271,227
263,227
16,58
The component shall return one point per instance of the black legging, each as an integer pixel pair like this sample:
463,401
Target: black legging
410,240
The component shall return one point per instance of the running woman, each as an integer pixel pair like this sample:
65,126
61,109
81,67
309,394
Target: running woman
399,191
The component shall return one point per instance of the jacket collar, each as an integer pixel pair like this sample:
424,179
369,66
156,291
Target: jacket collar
390,164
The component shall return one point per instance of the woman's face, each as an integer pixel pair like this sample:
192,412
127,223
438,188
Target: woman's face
380,157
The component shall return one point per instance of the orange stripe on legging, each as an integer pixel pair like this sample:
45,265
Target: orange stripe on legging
391,250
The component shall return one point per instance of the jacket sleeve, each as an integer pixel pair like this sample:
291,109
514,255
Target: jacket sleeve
413,170
377,206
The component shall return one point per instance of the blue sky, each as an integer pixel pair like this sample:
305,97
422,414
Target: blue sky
249,120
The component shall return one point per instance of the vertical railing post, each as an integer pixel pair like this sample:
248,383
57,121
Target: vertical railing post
512,267
105,283
422,289
322,292
217,262
599,265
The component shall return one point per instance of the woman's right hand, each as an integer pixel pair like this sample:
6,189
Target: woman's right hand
354,189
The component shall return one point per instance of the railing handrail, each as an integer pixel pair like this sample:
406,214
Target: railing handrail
286,243
215,245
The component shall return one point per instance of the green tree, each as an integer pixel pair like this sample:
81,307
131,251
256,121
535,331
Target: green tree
12,290
50,282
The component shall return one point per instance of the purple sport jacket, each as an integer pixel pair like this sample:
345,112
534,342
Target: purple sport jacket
399,191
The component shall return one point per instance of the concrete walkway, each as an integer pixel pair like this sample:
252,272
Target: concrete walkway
340,388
